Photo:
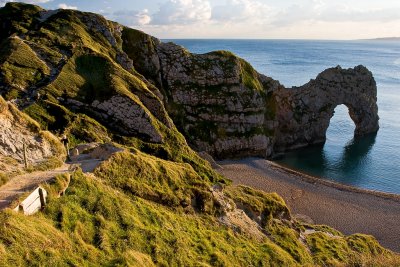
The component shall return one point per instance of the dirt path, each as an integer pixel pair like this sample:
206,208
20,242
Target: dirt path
25,183
29,181
349,211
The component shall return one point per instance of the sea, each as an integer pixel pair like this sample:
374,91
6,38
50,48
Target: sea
371,162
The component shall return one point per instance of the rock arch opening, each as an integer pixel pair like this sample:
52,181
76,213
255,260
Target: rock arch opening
344,151
341,127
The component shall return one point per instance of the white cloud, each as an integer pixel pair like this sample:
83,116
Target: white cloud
345,13
189,12
65,6
182,12
316,10
132,17
306,11
241,10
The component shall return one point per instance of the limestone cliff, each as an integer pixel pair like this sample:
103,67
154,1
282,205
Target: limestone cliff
18,130
303,113
134,84
223,106
48,64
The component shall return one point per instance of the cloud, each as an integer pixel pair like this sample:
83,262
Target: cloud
317,10
182,12
3,2
132,17
188,12
344,13
65,6
241,10
195,18
310,10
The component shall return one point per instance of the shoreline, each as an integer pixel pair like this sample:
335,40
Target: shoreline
346,208
324,181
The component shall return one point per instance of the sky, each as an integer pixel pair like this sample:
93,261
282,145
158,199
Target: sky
247,19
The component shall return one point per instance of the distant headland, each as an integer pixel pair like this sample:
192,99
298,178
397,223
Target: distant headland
396,39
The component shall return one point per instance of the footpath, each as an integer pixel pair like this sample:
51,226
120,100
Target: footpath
27,182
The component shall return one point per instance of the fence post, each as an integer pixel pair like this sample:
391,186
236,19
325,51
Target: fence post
25,157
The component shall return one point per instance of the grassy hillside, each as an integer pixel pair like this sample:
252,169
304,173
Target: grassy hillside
157,203
104,219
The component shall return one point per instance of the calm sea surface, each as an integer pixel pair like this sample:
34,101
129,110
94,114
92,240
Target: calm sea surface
371,162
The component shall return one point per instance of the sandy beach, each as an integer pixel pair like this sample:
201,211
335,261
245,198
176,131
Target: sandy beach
349,210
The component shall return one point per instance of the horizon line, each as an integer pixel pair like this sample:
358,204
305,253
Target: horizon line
282,39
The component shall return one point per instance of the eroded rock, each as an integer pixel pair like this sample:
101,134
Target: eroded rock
17,130
128,116
224,107
227,109
303,113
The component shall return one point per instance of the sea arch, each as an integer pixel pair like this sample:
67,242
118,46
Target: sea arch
304,113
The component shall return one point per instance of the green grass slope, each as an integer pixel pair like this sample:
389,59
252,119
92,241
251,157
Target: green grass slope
105,220
155,203
68,60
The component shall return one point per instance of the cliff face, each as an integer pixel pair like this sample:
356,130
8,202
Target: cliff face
65,58
217,100
18,130
134,84
223,106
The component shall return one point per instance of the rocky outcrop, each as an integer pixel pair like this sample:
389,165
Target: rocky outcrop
125,115
217,100
224,107
18,130
303,113
212,103
133,84
236,218
128,117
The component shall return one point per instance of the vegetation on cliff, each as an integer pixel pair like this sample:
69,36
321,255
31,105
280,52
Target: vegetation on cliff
156,202
103,222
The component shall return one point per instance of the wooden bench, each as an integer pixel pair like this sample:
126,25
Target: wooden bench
34,202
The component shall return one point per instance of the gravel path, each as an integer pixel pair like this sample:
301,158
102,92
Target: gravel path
29,181
347,209
25,183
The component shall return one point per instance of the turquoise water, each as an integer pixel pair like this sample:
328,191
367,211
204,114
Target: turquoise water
371,162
